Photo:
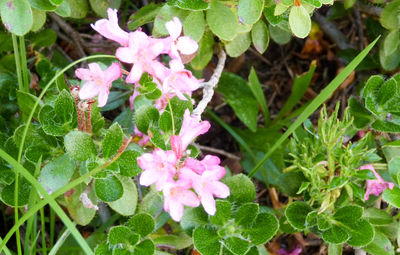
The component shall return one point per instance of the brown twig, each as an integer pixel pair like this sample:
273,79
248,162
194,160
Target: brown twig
218,151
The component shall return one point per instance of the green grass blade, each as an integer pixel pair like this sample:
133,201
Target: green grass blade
68,223
258,93
5,249
320,99
59,242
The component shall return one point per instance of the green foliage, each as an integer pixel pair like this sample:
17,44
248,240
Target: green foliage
126,204
108,189
222,21
57,173
299,21
112,140
79,145
16,16
242,189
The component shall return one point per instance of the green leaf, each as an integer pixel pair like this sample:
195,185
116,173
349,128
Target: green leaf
192,5
8,193
389,62
237,245
323,222
279,35
145,116
26,101
299,21
206,240
79,145
78,212
361,116
205,51
194,25
7,175
335,235
260,36
389,16
39,19
246,214
112,140
377,217
242,189
223,213
263,228
109,189
127,163
249,11
381,245
44,5
64,10
64,106
300,86
16,16
392,196
50,123
101,249
100,6
270,16
386,126
291,183
177,241
222,21
126,205
56,2
57,173
361,233
44,38
193,218
348,214
238,45
239,96
391,42
145,15
118,235
256,89
146,247
296,214
78,8
166,14
141,223
315,3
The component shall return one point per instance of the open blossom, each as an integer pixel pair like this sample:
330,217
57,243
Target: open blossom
176,195
110,29
179,81
377,186
142,52
206,184
159,168
175,42
98,82
191,128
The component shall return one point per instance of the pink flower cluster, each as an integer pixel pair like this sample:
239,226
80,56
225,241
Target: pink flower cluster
143,52
184,181
377,186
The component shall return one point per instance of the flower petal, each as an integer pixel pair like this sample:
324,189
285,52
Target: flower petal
187,45
174,27
89,90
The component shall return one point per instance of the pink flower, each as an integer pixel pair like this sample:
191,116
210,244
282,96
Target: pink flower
191,128
142,52
207,184
175,42
159,168
176,195
98,82
110,29
375,187
145,139
180,81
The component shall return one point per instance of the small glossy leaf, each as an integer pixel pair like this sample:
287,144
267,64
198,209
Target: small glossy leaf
249,11
109,189
296,214
391,42
142,223
270,16
205,51
299,21
392,196
192,5
100,6
79,145
44,5
279,35
78,8
237,245
238,45
348,214
145,247
361,233
112,140
194,25
145,15
39,19
145,116
57,173
389,15
260,36
126,205
222,21
241,188
377,217
16,16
